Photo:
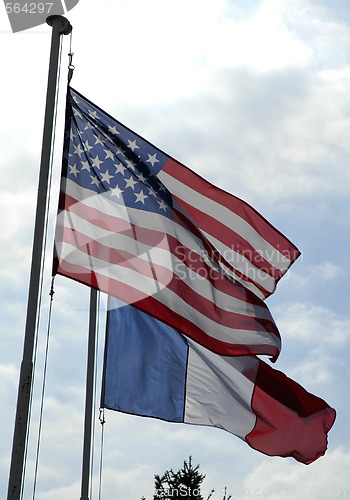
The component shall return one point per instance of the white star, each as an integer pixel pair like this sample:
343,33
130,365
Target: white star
130,183
109,154
119,152
89,126
106,177
116,191
87,146
96,162
119,169
85,166
130,164
73,169
93,114
162,205
77,113
98,141
152,192
113,130
132,145
141,178
152,159
95,180
140,197
78,150
72,135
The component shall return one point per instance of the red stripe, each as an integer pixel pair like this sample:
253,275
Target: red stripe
231,239
249,214
291,422
215,313
188,225
116,224
151,306
93,215
167,278
206,307
100,282
111,256
159,239
215,255
218,280
155,238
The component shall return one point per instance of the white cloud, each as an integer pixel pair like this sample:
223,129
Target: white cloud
308,277
327,271
314,341
8,376
277,136
308,323
320,30
200,39
324,479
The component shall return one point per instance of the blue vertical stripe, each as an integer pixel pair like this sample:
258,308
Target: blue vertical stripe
145,370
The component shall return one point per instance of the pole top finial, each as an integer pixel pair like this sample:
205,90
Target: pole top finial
61,23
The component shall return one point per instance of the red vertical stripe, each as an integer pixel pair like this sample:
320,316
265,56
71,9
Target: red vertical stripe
291,422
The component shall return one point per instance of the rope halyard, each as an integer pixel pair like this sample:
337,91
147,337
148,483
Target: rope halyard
102,421
71,66
51,293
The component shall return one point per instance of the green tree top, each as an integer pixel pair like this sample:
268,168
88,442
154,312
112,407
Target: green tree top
184,484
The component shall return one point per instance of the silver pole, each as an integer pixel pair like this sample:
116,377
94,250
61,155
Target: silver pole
60,26
90,375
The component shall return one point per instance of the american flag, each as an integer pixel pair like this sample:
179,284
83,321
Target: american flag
139,225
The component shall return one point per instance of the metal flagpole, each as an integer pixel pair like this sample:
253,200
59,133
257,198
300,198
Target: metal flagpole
89,399
60,26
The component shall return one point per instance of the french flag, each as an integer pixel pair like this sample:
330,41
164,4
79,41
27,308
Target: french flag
151,370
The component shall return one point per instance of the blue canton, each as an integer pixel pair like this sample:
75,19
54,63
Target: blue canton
107,158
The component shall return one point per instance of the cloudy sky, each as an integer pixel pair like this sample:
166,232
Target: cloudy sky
255,96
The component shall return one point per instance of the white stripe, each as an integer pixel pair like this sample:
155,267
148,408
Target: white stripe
157,222
245,266
163,257
227,217
218,394
223,249
149,287
247,284
117,240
